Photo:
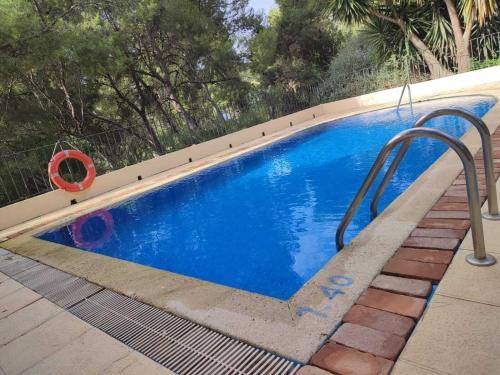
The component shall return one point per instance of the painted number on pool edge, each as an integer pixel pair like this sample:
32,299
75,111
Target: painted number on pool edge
330,292
341,280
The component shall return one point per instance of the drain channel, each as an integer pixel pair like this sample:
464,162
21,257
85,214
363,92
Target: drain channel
176,343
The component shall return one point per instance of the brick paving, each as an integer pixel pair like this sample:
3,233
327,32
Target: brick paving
374,331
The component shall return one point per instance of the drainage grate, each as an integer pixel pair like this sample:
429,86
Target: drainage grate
178,344
72,291
59,287
41,278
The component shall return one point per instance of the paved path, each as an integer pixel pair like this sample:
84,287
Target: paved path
38,337
460,330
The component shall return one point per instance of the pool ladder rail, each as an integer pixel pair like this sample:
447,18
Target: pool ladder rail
489,167
406,85
479,257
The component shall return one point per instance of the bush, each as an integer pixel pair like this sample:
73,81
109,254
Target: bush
476,64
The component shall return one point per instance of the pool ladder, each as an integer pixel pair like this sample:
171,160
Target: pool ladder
407,85
479,257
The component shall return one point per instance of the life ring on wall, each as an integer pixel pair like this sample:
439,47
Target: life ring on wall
77,230
72,187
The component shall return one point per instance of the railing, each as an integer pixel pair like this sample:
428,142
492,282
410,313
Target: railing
487,156
479,257
484,47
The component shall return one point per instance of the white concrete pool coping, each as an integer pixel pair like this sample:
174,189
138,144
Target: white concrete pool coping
295,328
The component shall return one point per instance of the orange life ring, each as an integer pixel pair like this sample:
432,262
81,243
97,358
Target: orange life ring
72,187
77,230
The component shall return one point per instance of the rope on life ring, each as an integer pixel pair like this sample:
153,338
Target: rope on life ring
77,230
61,183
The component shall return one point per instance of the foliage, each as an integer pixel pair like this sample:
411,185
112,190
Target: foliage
357,70
297,45
84,67
436,32
477,64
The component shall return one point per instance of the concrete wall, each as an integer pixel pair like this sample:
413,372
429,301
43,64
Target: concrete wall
23,211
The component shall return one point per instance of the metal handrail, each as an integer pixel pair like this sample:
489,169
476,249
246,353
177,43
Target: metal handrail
479,258
401,96
487,156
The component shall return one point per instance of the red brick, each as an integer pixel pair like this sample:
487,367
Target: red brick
401,285
444,223
496,154
451,206
460,199
396,303
432,243
311,370
463,188
439,233
416,270
447,215
462,194
347,361
480,173
463,181
369,340
380,320
462,184
425,255
480,165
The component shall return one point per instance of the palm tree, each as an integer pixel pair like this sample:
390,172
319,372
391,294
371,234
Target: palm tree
427,25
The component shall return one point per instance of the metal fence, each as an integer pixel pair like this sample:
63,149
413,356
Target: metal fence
485,47
24,174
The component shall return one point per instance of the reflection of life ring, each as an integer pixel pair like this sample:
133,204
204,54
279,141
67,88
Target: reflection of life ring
72,187
77,230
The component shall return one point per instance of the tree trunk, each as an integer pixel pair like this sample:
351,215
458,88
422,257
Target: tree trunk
190,122
220,115
462,53
149,128
142,113
435,67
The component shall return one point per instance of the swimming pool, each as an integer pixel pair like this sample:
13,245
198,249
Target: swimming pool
264,222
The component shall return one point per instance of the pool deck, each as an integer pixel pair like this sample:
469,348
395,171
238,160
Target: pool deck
460,330
32,294
38,337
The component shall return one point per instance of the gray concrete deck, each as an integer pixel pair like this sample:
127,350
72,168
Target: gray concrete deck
38,337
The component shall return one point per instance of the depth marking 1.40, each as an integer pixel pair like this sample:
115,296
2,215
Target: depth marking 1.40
338,283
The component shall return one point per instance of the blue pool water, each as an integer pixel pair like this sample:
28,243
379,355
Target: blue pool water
264,222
